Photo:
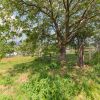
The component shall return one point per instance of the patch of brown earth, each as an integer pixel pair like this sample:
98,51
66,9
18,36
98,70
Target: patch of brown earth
6,90
23,78
63,71
7,59
51,73
81,96
2,71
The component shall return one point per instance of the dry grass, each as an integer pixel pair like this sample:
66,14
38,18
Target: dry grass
17,58
22,78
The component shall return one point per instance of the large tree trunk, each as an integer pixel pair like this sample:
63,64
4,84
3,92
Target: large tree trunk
81,55
62,56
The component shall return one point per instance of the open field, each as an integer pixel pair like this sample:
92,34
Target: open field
27,78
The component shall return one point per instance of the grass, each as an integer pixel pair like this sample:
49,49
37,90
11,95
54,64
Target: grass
28,78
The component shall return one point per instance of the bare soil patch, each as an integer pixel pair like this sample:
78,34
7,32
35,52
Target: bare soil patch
22,78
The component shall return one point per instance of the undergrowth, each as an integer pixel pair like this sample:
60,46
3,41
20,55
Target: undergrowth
45,81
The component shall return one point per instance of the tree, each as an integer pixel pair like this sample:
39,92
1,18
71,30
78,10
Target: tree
81,37
64,18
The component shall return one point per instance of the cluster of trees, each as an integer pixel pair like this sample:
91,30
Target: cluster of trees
55,23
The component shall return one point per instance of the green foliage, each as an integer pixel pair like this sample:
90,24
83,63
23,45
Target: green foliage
59,88
26,48
53,65
6,80
49,88
96,58
44,21
5,97
4,49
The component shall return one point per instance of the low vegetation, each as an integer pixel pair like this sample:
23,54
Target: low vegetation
42,79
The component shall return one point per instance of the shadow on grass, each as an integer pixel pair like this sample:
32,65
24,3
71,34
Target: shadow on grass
42,65
45,65
44,79
72,59
61,88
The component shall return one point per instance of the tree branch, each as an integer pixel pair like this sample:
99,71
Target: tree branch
75,5
36,6
70,2
83,15
73,33
53,18
66,6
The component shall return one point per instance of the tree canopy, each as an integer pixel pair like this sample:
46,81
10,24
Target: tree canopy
42,19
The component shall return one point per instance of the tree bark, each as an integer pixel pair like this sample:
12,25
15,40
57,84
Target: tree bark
62,56
81,55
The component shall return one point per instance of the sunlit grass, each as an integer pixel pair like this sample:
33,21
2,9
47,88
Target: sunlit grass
43,79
